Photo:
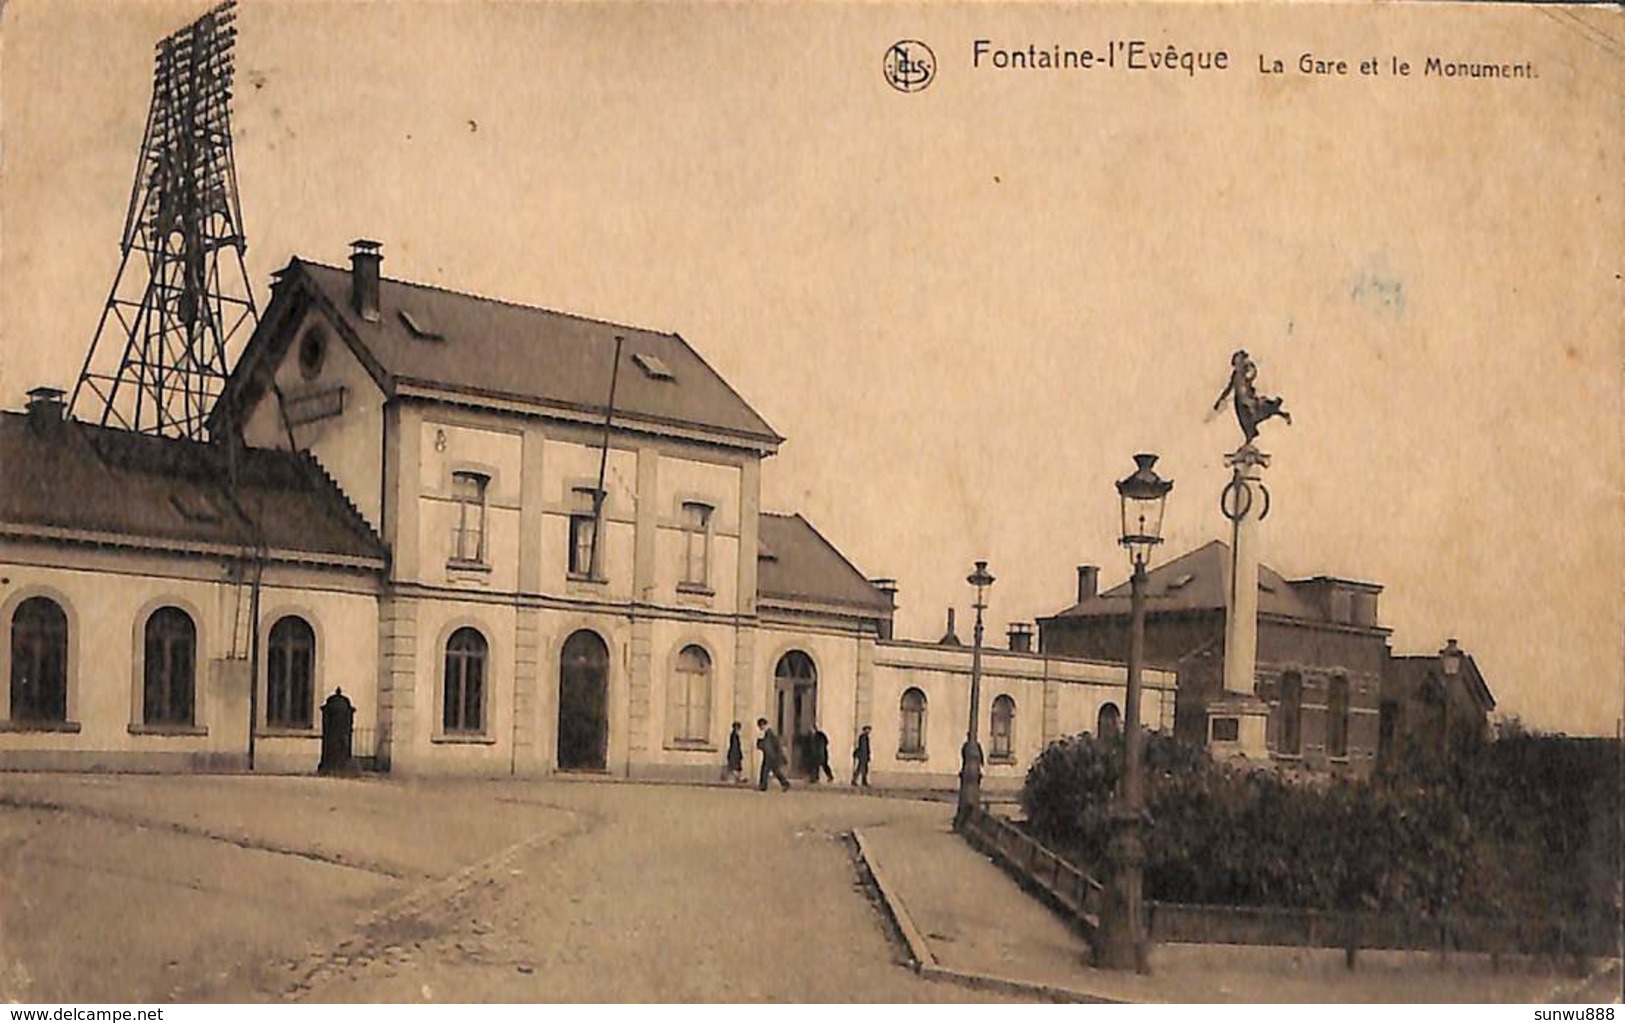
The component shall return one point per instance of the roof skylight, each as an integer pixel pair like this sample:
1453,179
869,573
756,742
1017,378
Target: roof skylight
418,326
653,366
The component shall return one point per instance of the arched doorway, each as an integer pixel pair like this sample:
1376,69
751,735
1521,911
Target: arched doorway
795,699
584,703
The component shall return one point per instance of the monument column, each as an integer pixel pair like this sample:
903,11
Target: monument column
1244,502
1237,720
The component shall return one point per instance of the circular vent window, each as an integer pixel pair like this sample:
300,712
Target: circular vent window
312,352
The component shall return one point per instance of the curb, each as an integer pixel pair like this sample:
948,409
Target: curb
919,953
924,962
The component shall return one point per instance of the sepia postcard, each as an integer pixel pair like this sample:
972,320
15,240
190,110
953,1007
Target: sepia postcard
541,502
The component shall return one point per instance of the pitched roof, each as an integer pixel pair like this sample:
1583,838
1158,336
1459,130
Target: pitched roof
74,476
795,562
1409,671
1198,580
469,344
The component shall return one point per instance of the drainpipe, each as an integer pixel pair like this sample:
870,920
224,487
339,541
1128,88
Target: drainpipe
254,650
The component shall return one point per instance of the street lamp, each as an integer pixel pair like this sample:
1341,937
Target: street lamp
1122,942
970,754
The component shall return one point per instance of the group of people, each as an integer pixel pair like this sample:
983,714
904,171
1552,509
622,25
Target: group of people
774,758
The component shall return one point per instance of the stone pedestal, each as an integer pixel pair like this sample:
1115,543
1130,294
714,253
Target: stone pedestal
1237,719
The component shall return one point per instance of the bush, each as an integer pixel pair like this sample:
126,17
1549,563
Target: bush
1231,836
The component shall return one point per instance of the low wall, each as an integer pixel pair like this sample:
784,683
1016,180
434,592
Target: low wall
1311,928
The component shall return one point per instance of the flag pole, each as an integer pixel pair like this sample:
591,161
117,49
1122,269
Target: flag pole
596,565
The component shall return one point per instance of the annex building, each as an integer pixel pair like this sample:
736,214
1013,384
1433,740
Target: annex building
403,500
1339,700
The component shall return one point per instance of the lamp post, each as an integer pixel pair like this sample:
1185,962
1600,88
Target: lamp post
970,754
1122,944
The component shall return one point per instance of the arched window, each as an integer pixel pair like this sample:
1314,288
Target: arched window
39,661
689,704
169,674
290,671
463,702
1003,730
1109,722
911,734
1337,717
1291,710
796,666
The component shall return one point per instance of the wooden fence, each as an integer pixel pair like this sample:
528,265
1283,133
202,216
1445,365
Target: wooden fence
1040,870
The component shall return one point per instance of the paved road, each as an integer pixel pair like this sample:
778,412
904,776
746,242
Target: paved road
157,889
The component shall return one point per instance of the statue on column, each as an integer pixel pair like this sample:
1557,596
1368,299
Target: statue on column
1252,408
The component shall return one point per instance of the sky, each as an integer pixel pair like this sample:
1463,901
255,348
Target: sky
968,306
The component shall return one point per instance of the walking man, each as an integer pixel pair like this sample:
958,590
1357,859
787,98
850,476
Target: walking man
820,757
860,758
772,756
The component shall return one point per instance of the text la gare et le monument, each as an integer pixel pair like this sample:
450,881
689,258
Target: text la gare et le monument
1145,55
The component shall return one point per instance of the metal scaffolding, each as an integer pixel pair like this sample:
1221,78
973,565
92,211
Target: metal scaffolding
181,296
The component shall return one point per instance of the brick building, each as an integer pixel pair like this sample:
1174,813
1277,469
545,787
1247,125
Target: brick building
1433,705
1322,653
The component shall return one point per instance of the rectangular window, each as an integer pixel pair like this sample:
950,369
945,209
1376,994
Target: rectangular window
1291,714
696,521
584,519
1337,718
468,534
1226,729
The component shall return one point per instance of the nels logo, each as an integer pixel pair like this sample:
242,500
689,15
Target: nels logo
910,65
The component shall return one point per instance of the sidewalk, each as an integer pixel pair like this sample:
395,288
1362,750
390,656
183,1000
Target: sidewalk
966,921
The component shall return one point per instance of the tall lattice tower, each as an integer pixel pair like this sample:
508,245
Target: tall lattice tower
181,295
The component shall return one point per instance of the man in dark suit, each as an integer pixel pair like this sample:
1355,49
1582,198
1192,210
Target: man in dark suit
772,756
820,756
860,759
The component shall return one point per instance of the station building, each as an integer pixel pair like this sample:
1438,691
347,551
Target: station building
427,499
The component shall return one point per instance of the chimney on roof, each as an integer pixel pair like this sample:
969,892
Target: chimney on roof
1088,582
1021,638
46,410
950,638
365,258
888,587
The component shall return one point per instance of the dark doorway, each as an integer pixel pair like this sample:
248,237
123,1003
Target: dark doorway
583,703
795,692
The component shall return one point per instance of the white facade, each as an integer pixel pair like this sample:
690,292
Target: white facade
498,641
108,598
